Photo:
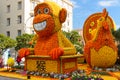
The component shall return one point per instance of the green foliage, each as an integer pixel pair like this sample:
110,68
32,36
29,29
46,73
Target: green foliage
116,34
18,67
6,42
75,38
23,41
118,46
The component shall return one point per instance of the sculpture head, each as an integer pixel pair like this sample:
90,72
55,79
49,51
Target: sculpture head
102,21
48,18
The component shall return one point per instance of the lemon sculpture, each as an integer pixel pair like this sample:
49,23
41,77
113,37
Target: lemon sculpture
100,49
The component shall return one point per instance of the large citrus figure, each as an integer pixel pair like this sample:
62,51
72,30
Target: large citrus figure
101,50
47,22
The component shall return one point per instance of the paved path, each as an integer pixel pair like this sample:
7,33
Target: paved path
8,78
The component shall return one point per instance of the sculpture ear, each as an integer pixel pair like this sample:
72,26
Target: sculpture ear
105,13
62,15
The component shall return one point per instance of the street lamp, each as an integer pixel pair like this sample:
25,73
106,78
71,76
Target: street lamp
28,24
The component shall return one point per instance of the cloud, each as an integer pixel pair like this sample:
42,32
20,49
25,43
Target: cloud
75,4
108,3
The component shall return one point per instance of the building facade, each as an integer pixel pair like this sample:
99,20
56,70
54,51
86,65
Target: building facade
16,16
80,31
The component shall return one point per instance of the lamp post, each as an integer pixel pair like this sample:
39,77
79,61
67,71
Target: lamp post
27,25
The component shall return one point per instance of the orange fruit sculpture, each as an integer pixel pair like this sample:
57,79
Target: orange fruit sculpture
47,23
100,49
91,23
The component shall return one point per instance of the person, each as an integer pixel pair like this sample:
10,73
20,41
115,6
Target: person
1,62
18,60
5,56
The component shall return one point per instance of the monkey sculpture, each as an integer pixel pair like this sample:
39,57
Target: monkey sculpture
47,23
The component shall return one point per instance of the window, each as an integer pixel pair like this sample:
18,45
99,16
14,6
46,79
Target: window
8,21
19,5
8,33
19,32
19,20
8,8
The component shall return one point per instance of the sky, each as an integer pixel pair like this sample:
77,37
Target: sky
84,8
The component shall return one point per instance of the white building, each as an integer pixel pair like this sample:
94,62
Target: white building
16,16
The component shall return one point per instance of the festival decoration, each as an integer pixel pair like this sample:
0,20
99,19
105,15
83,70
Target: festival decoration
101,50
10,63
50,41
90,25
51,48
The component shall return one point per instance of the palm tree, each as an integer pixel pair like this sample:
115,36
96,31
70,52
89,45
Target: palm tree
6,42
116,34
23,41
75,38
